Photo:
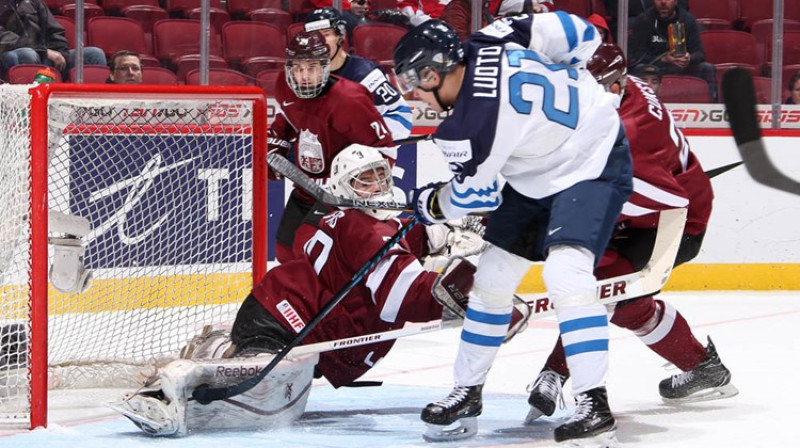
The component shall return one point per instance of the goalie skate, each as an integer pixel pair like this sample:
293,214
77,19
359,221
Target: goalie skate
149,413
455,416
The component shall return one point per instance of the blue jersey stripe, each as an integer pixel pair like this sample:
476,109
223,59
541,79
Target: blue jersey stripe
400,119
589,33
569,29
479,339
583,323
597,345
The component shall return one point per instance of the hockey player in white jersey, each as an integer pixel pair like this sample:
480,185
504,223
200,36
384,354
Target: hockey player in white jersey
523,106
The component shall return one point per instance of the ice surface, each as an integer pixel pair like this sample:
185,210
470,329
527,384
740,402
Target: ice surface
755,334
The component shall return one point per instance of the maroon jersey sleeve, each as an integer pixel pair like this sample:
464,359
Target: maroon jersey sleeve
666,173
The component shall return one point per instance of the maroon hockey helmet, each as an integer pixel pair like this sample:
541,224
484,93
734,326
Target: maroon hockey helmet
307,64
608,65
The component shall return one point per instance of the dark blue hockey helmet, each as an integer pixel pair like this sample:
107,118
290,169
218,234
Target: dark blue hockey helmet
326,18
431,46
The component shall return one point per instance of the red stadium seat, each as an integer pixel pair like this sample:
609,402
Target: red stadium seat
239,9
92,74
683,89
750,11
267,79
277,17
242,40
113,34
146,15
376,41
186,63
173,38
217,17
218,77
791,48
299,9
158,75
181,8
762,31
89,10
69,30
729,46
714,9
114,7
714,24
258,64
24,73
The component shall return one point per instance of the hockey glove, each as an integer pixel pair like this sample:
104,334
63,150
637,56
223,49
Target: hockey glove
451,288
425,201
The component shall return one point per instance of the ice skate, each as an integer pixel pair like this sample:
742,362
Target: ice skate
592,425
545,394
455,416
710,380
149,412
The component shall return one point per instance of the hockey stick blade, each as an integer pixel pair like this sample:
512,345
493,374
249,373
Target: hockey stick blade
205,394
289,170
740,103
643,283
712,173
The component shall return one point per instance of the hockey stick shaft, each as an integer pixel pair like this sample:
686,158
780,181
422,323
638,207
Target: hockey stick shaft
207,393
740,103
413,139
643,283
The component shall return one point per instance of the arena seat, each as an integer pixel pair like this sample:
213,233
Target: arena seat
159,75
683,89
24,73
277,17
92,74
242,40
218,77
376,41
239,9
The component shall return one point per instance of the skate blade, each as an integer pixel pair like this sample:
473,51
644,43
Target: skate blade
533,414
461,429
606,439
714,393
147,423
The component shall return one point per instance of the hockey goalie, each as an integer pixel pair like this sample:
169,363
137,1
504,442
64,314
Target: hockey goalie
332,245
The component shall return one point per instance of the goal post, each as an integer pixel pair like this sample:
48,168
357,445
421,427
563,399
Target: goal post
172,180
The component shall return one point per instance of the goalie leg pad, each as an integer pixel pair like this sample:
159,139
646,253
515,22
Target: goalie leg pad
214,342
279,399
520,315
452,286
67,273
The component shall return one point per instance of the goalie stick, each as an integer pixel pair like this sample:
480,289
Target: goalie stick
206,393
648,281
740,103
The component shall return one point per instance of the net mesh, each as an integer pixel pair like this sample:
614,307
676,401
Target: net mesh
166,185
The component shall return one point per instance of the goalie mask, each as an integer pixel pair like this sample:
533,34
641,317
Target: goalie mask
361,172
307,64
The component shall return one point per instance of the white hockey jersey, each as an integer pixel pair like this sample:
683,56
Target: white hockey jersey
527,110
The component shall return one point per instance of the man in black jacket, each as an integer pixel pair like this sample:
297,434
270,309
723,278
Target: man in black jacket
29,34
649,43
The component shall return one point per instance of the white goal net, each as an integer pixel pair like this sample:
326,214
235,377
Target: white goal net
165,178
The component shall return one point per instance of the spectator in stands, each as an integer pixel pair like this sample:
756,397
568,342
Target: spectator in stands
649,43
125,68
649,74
458,13
29,34
600,23
794,89
635,7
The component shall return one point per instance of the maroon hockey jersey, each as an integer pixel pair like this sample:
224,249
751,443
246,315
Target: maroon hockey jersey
666,173
321,127
397,290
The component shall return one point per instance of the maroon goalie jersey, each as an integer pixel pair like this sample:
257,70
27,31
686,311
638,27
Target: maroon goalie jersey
343,114
666,173
397,290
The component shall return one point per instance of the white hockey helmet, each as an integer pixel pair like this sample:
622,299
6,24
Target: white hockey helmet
361,172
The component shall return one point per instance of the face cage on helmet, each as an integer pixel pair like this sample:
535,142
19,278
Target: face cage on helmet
359,189
308,91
